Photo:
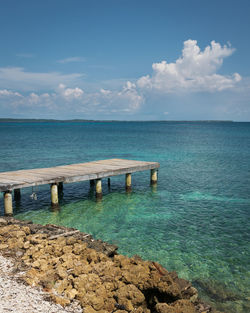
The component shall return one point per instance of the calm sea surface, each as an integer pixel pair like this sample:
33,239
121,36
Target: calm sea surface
197,220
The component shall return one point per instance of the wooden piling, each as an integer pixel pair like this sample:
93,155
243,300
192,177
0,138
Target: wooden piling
128,182
60,187
98,186
17,194
92,183
54,195
8,208
153,180
71,173
154,188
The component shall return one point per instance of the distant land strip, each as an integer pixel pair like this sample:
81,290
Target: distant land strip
32,120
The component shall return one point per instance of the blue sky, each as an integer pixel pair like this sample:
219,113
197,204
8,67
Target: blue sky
125,59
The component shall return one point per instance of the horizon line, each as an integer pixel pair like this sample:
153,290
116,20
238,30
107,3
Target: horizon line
10,119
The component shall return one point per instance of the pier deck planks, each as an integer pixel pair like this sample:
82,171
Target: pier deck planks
72,173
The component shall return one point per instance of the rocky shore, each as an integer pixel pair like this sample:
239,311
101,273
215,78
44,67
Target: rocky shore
81,274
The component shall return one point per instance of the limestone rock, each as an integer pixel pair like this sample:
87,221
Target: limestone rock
89,309
180,306
184,306
70,269
59,300
3,222
130,292
61,285
3,246
70,292
164,308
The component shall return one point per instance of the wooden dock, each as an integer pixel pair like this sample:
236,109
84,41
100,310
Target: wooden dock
56,176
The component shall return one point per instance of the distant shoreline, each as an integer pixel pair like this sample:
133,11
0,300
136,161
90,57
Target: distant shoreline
27,120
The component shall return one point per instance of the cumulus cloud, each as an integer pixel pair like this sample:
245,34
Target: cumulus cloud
127,99
195,70
72,59
19,101
70,93
37,100
107,101
105,92
76,100
8,93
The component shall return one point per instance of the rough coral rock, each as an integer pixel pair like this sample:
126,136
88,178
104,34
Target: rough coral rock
102,282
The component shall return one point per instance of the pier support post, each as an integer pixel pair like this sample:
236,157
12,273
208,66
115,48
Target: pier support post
109,182
8,209
60,187
54,195
98,189
92,183
128,181
153,180
60,191
17,194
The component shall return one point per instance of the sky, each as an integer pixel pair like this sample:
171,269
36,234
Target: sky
125,59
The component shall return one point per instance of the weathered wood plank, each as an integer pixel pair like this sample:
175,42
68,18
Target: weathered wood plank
25,177
11,181
72,173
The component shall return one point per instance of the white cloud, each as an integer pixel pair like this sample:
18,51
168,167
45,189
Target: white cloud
72,59
16,100
34,100
130,93
70,93
19,79
7,93
127,99
194,71
75,100
105,91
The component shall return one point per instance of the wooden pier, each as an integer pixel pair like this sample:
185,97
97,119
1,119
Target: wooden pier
56,176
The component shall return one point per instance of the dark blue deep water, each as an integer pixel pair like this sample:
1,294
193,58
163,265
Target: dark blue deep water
195,222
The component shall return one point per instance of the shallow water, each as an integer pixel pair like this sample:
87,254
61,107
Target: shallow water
194,222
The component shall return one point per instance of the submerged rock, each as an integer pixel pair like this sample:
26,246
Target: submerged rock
63,262
217,290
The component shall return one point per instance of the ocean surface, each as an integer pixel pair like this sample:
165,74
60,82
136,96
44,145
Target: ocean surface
195,222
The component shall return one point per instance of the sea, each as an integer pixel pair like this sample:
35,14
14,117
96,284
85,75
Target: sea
195,222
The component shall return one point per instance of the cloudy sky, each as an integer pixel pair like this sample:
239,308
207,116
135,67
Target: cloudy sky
125,59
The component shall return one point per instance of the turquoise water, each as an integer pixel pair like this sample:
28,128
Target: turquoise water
194,222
